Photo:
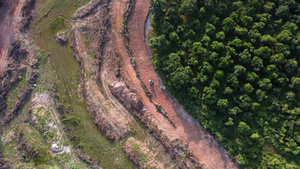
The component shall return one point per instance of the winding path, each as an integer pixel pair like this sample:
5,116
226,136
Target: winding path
204,146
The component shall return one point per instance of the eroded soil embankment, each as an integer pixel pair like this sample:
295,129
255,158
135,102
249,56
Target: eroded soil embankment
9,13
103,77
18,64
107,115
6,25
205,148
18,61
156,122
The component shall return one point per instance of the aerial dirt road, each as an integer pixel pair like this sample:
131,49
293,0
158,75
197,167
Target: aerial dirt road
9,13
204,146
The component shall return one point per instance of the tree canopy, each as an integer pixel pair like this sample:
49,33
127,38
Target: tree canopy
234,67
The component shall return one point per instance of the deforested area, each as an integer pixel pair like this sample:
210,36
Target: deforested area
160,84
234,67
65,101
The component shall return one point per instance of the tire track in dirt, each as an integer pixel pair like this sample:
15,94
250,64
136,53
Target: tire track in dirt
92,89
118,9
203,145
116,102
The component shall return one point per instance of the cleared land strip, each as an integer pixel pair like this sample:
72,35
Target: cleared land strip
204,146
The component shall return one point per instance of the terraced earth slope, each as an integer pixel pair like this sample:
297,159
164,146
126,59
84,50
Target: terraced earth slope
75,94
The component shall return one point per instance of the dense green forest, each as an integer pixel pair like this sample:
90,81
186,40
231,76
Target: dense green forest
234,66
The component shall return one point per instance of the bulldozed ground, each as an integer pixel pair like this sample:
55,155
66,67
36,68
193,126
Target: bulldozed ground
204,147
79,99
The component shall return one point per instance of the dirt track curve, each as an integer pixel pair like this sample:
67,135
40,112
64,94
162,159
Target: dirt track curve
204,146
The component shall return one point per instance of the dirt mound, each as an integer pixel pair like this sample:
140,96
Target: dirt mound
107,71
18,66
176,147
15,55
62,38
9,16
129,98
14,70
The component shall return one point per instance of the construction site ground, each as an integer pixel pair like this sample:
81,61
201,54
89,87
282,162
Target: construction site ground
105,111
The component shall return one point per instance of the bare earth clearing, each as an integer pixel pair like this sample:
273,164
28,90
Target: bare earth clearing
102,75
204,147
114,94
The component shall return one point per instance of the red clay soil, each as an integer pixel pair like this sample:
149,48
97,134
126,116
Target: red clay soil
117,11
203,145
9,14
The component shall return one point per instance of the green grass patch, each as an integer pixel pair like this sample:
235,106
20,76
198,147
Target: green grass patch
43,56
57,24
